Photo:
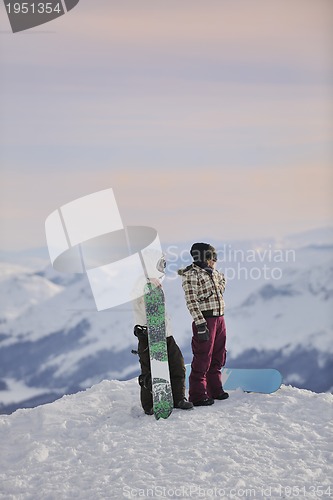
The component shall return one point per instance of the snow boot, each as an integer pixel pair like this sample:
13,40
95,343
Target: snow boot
223,395
204,402
184,405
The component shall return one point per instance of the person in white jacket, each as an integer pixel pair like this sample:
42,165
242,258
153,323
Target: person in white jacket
175,357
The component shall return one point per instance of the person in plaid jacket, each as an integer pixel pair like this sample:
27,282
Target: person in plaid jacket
204,287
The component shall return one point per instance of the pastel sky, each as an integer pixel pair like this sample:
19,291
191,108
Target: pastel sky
208,118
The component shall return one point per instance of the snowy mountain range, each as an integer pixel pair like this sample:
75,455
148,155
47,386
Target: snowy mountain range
279,314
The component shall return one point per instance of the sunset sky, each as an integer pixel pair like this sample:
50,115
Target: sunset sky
209,119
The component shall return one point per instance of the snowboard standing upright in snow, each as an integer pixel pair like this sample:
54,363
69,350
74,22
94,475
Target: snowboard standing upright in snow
160,375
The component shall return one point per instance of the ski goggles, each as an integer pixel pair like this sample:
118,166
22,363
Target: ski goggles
161,264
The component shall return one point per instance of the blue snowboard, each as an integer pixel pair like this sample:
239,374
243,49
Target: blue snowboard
264,380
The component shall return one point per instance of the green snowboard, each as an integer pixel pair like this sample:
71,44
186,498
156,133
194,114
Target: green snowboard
159,366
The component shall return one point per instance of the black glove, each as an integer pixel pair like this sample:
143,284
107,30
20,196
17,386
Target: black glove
203,332
140,332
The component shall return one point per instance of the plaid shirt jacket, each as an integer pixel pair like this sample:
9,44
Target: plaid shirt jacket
203,292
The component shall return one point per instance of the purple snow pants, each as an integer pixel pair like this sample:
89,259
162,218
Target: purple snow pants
208,358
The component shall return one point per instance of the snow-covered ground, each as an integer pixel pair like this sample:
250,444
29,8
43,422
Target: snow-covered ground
98,444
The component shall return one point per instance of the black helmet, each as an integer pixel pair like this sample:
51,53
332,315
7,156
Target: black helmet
202,252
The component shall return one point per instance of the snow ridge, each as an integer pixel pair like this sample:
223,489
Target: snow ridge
99,444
